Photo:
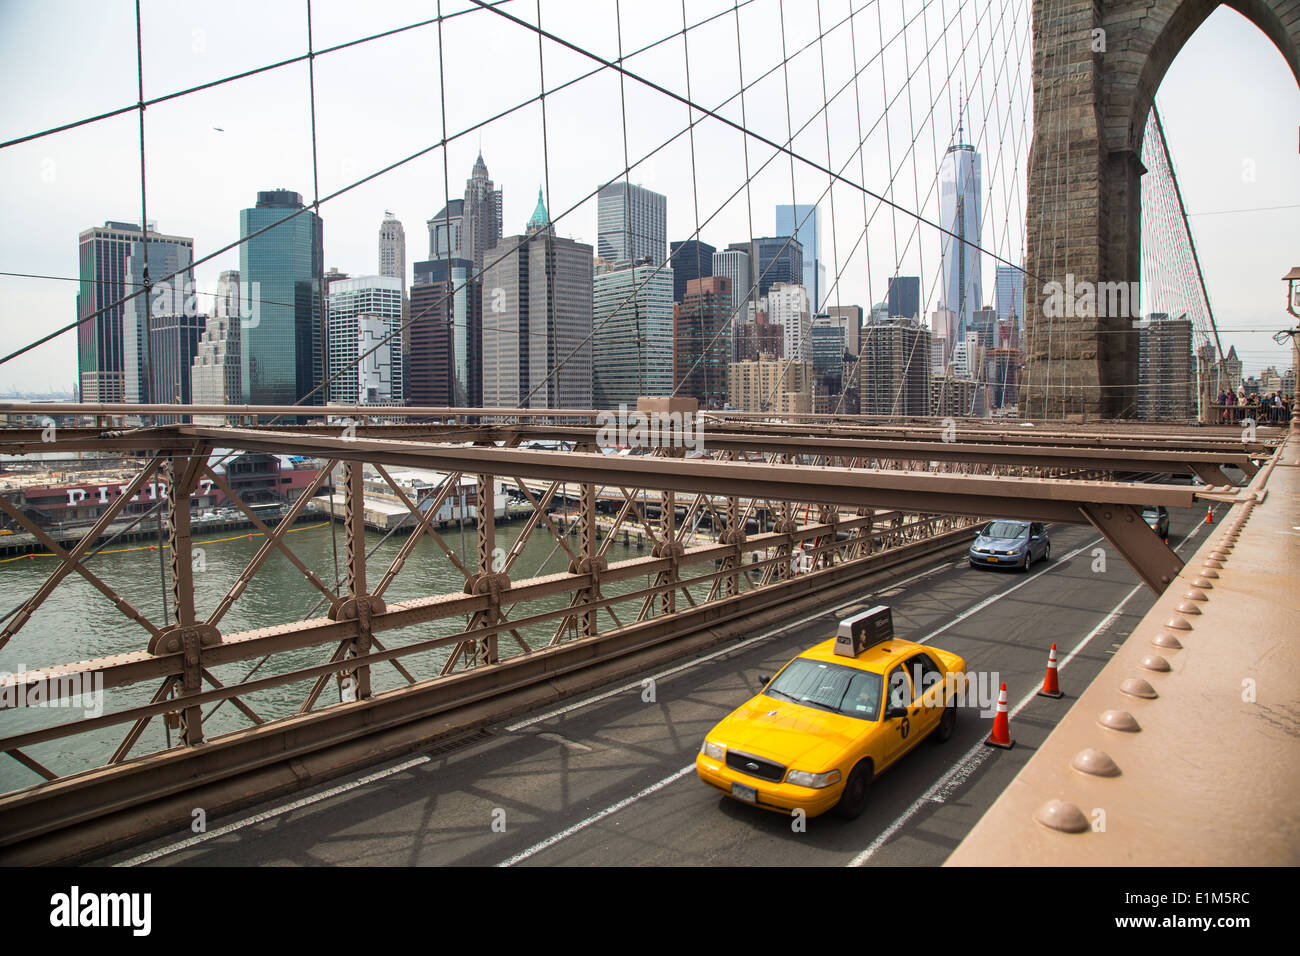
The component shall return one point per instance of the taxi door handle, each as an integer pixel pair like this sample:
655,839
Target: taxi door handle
915,711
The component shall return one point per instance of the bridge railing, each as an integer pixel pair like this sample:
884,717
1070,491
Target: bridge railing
733,530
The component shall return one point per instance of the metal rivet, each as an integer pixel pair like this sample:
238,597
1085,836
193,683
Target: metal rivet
1189,607
1154,662
1177,623
1167,640
1210,564
1218,556
1137,687
1119,720
1095,762
1062,815
1196,595
1203,582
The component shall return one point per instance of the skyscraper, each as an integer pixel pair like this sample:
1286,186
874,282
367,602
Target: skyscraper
283,269
631,224
112,348
959,213
851,318
894,369
446,231
215,376
701,345
1166,370
773,259
632,343
691,259
1009,293
787,305
537,319
481,216
445,352
804,223
173,343
905,297
362,312
734,264
392,249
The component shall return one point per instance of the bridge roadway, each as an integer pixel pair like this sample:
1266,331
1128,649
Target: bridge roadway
608,779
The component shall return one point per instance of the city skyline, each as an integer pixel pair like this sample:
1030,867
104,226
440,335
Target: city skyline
411,192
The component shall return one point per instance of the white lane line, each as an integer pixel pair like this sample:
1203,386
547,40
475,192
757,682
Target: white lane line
269,814
595,817
639,685
959,772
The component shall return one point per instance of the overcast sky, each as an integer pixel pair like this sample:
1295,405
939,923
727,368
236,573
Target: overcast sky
1230,105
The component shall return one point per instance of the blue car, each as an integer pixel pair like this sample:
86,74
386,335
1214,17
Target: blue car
1016,544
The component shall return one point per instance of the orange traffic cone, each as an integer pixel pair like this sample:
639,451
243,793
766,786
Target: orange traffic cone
1001,736
1050,687
1209,514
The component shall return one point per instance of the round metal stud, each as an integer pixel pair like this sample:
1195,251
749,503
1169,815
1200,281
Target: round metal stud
1094,762
1119,720
1137,687
1062,815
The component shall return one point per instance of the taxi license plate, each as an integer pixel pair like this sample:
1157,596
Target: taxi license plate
993,560
742,792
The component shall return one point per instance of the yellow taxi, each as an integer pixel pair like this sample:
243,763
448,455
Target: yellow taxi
832,719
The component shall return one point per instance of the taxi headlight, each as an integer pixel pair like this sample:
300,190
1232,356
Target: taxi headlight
801,778
713,751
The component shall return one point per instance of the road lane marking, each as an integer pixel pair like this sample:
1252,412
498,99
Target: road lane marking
639,684
596,817
269,814
969,762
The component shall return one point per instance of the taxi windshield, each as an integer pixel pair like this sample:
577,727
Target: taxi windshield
832,687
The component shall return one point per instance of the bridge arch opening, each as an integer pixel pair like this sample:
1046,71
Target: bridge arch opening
1096,70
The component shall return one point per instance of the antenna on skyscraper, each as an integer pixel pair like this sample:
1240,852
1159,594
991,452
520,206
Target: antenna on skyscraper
960,111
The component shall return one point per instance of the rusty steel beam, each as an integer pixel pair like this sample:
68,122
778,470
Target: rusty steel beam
918,492
1144,550
1161,460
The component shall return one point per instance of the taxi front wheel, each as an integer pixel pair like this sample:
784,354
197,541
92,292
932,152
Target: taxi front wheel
854,798
947,722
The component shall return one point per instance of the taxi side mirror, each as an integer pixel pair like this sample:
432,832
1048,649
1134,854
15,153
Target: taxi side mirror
894,712
764,680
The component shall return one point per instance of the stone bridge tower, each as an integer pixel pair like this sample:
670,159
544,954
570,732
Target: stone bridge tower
1097,65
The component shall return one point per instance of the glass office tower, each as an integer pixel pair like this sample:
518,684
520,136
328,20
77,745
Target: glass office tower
283,272
804,223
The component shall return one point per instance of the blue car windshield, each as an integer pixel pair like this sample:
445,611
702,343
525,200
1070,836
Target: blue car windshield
832,687
1006,529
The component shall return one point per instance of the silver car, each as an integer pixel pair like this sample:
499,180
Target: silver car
1016,544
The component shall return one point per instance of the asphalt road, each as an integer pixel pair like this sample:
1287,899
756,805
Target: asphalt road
611,780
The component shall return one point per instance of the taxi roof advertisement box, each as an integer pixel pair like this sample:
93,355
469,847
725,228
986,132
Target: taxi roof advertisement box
870,627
